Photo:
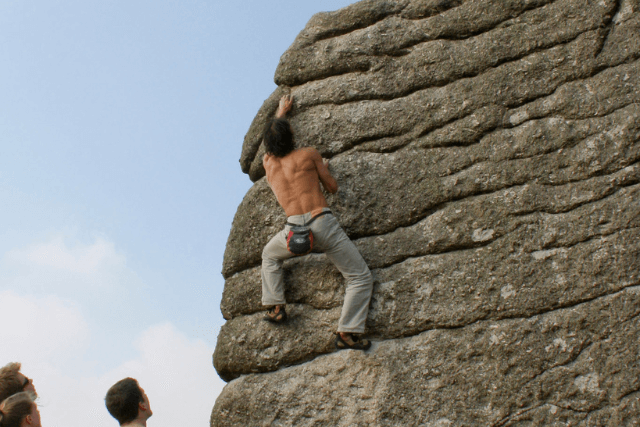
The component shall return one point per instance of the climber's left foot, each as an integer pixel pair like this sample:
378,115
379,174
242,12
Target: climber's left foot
276,314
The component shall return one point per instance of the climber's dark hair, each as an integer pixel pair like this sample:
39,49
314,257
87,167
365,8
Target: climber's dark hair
15,408
122,400
278,138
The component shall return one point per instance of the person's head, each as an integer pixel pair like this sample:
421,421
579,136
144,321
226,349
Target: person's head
278,138
126,401
20,410
12,381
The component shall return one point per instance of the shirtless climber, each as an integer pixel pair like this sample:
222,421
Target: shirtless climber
295,176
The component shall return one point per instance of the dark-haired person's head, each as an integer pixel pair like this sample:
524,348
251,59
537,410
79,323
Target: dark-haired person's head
127,402
278,138
20,410
12,381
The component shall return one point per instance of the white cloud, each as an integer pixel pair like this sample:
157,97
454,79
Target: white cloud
63,265
113,300
74,315
176,372
80,259
40,328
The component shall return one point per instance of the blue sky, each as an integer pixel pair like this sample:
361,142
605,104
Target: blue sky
121,125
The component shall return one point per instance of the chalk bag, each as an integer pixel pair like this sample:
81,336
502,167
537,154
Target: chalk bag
300,240
300,237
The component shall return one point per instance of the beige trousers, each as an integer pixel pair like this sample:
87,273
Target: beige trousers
330,238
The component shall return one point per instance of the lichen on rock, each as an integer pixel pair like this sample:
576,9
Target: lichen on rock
487,159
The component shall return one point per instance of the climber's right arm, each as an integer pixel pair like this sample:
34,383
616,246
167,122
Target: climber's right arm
286,102
322,166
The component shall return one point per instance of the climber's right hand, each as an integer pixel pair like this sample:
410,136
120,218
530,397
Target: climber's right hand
286,102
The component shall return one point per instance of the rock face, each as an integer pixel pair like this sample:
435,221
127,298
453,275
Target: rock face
487,157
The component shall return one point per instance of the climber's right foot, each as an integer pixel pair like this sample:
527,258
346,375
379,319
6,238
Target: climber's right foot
350,341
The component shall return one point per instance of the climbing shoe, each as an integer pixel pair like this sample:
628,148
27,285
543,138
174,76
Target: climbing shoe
273,317
358,343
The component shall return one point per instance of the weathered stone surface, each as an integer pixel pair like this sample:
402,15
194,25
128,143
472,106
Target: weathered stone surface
336,128
258,346
486,153
575,366
525,71
556,219
527,263
311,280
369,201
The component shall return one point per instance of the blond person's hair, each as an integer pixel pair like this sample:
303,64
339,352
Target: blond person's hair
15,408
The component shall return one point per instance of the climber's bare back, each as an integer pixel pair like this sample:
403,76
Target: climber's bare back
295,179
